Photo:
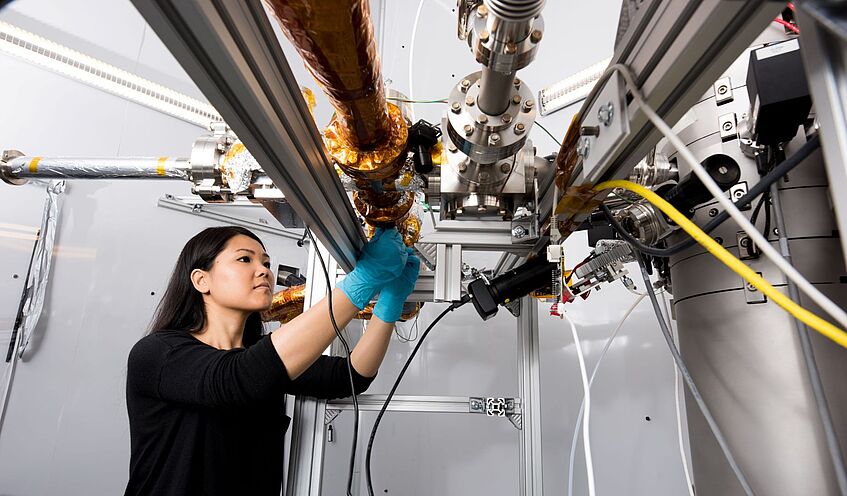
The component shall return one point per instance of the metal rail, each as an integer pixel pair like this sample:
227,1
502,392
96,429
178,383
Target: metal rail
233,55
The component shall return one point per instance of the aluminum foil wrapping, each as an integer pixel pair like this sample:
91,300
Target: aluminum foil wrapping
286,305
237,168
97,168
335,38
383,160
410,310
42,260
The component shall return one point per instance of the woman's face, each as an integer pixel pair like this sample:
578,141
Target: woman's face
240,277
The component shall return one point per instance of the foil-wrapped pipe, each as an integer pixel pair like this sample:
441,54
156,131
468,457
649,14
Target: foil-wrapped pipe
409,228
95,168
410,310
335,38
286,305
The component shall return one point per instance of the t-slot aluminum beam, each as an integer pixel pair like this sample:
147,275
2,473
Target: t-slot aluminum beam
676,50
529,389
231,52
824,46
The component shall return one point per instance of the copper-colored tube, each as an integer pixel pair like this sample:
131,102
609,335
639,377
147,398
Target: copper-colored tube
336,40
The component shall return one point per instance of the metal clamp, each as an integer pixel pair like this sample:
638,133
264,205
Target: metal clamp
497,407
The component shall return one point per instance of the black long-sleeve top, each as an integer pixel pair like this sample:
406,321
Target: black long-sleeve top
205,421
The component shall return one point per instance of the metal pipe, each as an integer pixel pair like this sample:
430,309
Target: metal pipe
335,39
95,168
495,91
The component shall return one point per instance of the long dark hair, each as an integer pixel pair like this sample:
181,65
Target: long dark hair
182,307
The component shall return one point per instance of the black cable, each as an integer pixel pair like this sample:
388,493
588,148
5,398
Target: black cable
759,188
449,309
349,364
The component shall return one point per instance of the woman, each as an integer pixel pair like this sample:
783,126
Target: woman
205,390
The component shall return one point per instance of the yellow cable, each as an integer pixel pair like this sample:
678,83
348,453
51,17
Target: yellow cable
805,316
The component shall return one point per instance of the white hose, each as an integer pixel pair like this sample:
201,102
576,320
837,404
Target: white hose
590,382
412,50
586,437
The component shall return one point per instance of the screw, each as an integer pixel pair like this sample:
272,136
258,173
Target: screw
722,169
738,193
463,166
719,240
482,11
493,139
606,113
776,231
516,99
456,107
483,36
583,148
727,126
527,105
506,118
452,148
519,128
469,101
466,83
505,167
468,130
713,212
722,89
511,48
589,131
517,83
519,232
751,288
535,36
484,177
745,242
482,119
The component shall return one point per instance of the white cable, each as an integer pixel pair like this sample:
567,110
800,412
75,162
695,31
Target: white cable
586,437
682,455
590,382
822,301
412,50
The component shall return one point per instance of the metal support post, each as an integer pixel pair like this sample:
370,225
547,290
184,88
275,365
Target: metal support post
308,432
529,384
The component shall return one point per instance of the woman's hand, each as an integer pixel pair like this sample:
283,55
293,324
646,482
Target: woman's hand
382,260
389,305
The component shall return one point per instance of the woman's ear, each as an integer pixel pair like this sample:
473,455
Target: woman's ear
200,280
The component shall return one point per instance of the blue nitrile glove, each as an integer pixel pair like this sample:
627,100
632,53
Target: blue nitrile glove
389,305
381,261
